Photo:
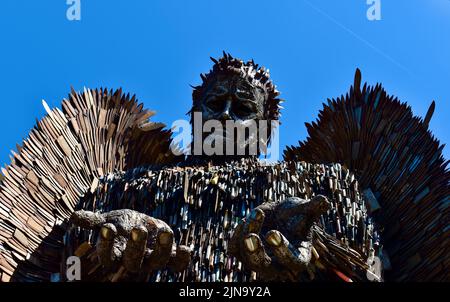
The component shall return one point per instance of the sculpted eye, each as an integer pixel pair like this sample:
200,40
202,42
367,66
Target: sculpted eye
244,95
243,108
215,104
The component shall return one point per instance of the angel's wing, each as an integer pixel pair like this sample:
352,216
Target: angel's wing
401,168
65,154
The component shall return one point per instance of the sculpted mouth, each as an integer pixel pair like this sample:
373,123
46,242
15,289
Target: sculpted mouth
239,137
226,140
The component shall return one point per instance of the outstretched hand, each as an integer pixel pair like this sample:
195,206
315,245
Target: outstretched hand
275,257
133,240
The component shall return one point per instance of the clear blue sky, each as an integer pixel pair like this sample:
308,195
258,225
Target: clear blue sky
155,49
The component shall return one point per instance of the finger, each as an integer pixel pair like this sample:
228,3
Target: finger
318,205
251,224
135,249
304,215
105,244
255,254
295,259
87,220
180,260
159,256
254,222
294,206
235,241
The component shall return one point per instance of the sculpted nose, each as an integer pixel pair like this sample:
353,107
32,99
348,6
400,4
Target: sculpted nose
225,115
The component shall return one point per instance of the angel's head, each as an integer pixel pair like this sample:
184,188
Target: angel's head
237,91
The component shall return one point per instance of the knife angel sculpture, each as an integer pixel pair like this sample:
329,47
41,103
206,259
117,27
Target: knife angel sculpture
364,198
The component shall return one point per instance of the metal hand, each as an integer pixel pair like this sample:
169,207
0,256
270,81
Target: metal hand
133,240
278,258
